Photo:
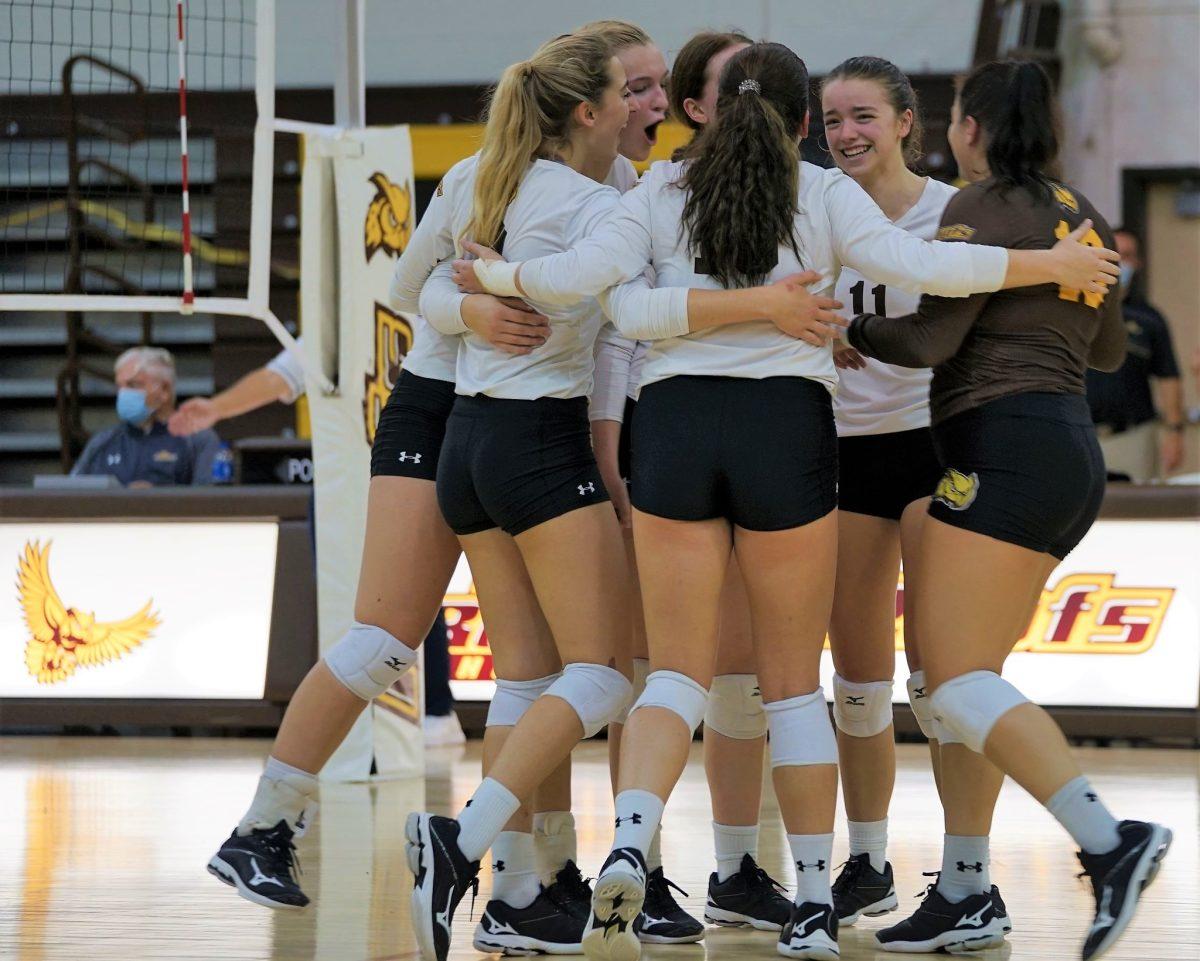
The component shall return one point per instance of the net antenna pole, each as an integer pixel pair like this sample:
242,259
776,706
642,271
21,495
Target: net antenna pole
189,291
349,78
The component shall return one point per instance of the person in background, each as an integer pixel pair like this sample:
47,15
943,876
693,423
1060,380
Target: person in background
140,451
1123,403
282,379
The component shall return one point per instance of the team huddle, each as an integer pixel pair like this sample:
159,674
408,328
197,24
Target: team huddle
684,427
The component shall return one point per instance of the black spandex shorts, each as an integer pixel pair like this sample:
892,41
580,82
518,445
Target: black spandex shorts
881,474
761,453
408,438
1025,469
625,442
514,464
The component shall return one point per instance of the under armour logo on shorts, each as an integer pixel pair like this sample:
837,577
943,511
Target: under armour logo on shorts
588,488
394,663
405,455
977,867
816,866
634,818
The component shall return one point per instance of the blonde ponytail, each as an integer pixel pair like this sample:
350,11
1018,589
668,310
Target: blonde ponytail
529,117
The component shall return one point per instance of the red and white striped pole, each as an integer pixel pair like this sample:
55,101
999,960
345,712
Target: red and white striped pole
189,293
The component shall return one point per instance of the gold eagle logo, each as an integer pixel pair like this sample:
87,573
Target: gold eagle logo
957,490
389,218
955,232
63,638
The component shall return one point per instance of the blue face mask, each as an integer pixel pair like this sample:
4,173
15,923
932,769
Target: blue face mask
131,406
1126,277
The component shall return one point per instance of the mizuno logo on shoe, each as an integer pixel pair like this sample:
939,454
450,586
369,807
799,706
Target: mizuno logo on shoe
816,866
973,920
802,928
977,867
443,917
260,878
634,818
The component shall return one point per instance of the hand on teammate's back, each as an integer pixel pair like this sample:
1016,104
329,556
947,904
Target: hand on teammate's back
795,310
1084,267
506,323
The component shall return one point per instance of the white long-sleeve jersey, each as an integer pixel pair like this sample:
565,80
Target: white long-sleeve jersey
618,358
555,208
836,223
883,398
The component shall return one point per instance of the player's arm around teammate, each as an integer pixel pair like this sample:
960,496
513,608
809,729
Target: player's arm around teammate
1023,482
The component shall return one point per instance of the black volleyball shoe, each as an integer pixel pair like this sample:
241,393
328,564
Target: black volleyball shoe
441,876
259,866
617,902
750,897
860,889
810,933
662,920
541,928
571,891
1118,879
976,923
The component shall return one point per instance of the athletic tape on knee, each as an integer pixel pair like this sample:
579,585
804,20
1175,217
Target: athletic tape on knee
675,692
595,692
513,698
971,704
862,709
735,707
922,710
367,660
801,732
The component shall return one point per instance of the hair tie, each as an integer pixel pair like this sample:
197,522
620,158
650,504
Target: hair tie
749,84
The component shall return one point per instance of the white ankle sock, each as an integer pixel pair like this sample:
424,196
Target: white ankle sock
638,817
1080,810
554,843
484,817
965,861
812,854
869,837
732,842
282,795
514,874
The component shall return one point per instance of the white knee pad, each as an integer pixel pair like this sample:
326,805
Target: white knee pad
735,707
800,731
678,693
641,670
595,692
971,704
513,698
862,710
922,710
367,660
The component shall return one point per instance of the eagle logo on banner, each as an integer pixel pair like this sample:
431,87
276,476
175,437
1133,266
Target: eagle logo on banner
389,218
63,638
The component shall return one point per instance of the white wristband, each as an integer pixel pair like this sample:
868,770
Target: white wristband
498,277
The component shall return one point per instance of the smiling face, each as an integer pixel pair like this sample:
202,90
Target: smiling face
646,73
703,109
865,133
609,117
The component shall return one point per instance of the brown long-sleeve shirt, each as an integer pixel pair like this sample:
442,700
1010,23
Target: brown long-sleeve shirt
1014,341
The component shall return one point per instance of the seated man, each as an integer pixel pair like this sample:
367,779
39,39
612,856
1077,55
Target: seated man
140,451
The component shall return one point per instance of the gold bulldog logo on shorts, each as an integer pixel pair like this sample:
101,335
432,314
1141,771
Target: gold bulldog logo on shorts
957,490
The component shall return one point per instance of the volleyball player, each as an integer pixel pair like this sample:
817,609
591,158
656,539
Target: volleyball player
409,555
517,464
740,893
617,368
1023,482
887,469
711,473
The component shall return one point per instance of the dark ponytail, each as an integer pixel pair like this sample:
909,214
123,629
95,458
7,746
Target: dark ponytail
1013,101
743,181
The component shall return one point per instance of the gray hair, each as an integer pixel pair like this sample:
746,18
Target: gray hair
154,359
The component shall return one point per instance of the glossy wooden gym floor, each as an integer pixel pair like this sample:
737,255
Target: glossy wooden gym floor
103,843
